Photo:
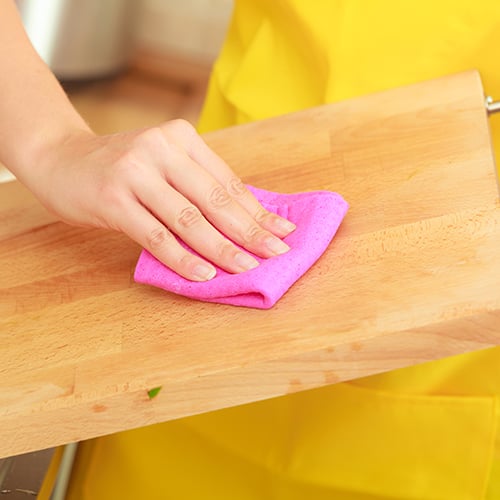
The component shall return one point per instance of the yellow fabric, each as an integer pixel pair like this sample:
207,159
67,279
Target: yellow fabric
421,433
50,476
287,55
344,442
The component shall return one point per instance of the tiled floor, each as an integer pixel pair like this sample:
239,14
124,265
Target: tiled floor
22,476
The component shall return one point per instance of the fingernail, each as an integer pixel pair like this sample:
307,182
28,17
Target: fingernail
203,272
245,261
276,245
284,225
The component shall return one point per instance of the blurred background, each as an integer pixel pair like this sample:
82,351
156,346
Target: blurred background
128,63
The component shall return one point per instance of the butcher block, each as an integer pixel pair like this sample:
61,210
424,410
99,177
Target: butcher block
412,275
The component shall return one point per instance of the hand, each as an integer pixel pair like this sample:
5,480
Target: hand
153,183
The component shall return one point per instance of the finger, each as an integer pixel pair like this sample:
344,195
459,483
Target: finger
219,169
150,233
185,219
225,213
200,153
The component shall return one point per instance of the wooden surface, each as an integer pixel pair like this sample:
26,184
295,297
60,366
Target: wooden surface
412,275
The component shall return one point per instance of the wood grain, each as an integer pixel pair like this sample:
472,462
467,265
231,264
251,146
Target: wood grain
412,275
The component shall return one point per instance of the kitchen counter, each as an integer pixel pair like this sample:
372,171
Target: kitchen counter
411,276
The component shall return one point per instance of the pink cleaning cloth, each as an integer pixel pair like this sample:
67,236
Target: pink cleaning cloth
317,216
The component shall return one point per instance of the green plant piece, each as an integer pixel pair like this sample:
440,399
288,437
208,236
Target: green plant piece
152,393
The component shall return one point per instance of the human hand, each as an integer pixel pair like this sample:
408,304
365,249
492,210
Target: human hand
156,182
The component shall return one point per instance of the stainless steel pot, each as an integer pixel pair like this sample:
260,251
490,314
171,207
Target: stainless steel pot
80,39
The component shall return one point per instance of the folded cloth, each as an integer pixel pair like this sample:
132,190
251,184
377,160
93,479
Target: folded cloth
317,216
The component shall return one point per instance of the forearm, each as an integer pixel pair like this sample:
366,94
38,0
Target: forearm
34,110
150,183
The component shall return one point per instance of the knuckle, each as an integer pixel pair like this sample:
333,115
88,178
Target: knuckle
235,187
218,197
189,216
111,195
180,129
182,125
158,237
253,234
184,260
181,132
224,249
149,137
149,143
128,169
261,215
113,188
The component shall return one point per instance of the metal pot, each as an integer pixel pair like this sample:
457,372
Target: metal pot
80,39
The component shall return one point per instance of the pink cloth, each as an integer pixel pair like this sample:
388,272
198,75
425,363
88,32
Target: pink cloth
317,216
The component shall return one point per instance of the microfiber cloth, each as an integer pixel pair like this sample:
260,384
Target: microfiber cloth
317,216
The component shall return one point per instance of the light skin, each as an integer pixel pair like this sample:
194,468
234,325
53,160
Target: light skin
150,183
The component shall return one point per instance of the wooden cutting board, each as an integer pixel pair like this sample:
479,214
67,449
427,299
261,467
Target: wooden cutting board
413,275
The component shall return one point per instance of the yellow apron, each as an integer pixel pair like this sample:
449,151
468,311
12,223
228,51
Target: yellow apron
421,433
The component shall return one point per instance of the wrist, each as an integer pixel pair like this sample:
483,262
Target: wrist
42,151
